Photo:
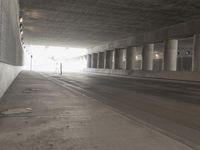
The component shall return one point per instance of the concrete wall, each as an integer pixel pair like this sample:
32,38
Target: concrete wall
172,52
7,75
11,52
181,30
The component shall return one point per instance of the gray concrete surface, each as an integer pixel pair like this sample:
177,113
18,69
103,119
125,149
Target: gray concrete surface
11,53
169,106
171,75
7,74
95,22
64,119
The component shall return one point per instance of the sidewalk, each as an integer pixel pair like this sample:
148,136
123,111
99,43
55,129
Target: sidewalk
62,120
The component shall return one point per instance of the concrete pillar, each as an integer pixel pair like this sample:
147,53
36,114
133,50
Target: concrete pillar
119,59
128,58
105,59
109,59
94,60
89,62
147,57
131,53
100,61
170,55
123,59
115,59
196,54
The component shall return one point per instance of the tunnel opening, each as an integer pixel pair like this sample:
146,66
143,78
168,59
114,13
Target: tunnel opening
52,58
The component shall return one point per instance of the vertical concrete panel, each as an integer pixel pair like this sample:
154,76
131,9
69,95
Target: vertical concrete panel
196,53
128,58
105,59
122,59
111,59
170,55
114,61
89,62
124,51
94,60
11,51
147,55
100,63
98,60
133,58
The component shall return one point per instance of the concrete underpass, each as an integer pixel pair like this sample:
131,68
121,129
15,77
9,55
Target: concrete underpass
135,86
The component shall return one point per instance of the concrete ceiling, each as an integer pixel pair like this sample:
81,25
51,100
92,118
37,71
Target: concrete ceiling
88,23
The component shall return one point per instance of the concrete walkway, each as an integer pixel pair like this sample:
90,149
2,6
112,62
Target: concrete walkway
59,119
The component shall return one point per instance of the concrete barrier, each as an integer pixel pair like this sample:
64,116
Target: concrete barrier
170,75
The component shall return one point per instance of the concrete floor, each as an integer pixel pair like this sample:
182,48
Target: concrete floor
90,112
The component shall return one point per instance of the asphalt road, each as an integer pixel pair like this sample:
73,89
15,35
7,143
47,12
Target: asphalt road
172,108
87,112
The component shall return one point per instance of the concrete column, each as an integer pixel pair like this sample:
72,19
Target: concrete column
123,59
89,62
98,60
147,57
128,58
196,54
109,59
114,59
170,55
105,59
94,60
131,54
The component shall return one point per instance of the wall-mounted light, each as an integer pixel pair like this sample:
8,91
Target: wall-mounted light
187,53
157,56
21,20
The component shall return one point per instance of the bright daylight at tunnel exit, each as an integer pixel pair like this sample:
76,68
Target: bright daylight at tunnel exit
99,75
54,59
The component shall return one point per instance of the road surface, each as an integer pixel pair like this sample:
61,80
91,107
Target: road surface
171,107
93,112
